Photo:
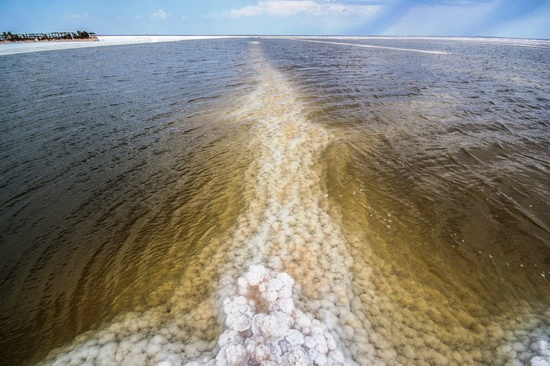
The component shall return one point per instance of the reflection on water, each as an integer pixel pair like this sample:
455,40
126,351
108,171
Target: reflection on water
405,193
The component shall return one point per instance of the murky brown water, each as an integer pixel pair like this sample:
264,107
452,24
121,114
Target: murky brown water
405,193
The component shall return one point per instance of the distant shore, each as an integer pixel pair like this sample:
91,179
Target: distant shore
79,35
91,39
10,48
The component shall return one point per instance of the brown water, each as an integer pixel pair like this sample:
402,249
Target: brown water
406,194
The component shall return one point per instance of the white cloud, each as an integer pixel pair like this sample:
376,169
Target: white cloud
303,7
247,11
78,16
161,15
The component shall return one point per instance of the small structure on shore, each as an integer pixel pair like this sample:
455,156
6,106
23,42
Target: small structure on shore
53,36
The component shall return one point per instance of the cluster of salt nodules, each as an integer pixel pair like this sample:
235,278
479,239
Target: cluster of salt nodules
265,327
543,349
338,309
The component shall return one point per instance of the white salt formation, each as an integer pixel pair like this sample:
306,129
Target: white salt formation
544,354
285,286
263,326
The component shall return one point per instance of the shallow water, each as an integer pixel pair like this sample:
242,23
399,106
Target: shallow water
405,193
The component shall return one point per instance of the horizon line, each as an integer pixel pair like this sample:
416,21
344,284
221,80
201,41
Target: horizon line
316,35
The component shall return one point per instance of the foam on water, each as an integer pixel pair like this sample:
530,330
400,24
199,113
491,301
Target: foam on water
287,285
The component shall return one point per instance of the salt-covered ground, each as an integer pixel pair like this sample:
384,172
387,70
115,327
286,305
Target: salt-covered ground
24,47
256,305
288,286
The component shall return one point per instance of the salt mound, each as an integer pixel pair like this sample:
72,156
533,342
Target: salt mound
544,358
263,326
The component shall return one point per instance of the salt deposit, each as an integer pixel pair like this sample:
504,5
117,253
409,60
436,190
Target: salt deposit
25,47
288,286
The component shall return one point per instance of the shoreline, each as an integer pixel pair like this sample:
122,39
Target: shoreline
91,39
18,47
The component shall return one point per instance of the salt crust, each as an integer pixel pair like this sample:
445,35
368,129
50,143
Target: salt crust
286,287
283,335
544,354
262,326
27,47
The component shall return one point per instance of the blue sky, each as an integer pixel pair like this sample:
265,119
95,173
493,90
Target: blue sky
506,18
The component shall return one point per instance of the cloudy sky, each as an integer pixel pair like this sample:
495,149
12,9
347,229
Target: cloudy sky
508,18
